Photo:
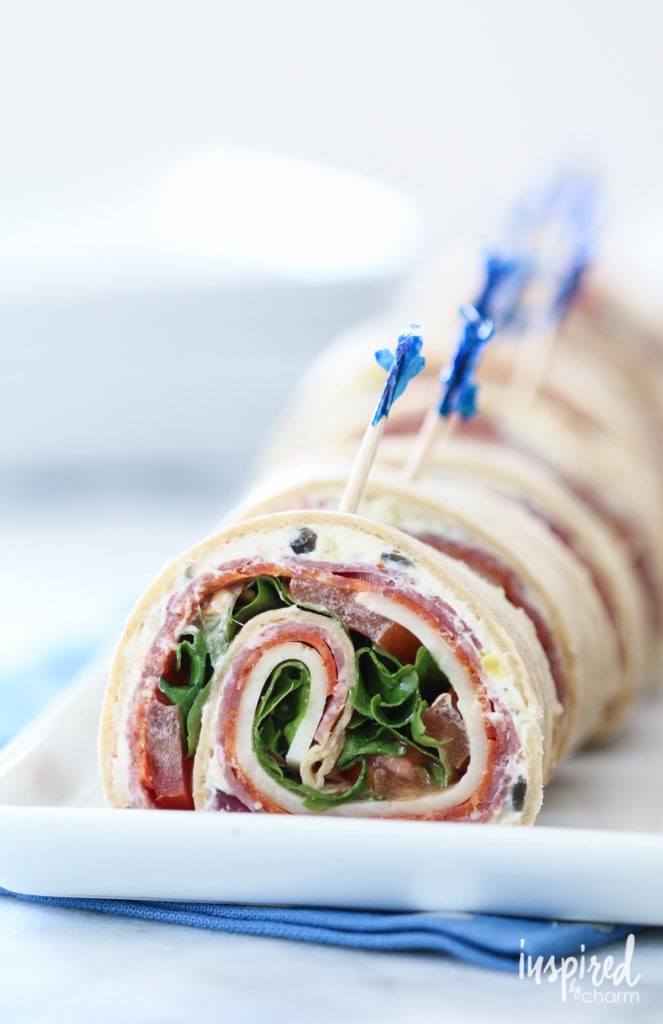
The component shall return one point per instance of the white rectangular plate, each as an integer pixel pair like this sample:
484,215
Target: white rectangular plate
595,854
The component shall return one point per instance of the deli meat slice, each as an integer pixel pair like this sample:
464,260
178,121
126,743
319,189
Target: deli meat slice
322,663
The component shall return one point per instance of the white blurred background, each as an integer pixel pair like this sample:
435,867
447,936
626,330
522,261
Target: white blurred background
196,196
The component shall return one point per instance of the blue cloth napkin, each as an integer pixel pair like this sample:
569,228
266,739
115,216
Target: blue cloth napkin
486,940
482,939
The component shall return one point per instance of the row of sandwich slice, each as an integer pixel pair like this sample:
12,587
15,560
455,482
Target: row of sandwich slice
436,654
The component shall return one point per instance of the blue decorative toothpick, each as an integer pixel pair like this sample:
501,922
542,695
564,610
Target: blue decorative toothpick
459,389
402,365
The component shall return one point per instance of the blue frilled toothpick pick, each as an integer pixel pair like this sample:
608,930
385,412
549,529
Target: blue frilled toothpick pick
579,214
458,387
505,281
572,223
568,231
402,365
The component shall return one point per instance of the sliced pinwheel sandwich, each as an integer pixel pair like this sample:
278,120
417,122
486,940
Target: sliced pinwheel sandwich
320,662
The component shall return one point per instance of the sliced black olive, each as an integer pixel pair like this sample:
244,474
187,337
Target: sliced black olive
304,541
518,794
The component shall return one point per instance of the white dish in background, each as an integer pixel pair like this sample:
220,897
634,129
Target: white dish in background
142,311
595,854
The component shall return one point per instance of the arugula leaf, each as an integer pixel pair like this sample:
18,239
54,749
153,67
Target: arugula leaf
200,647
418,730
432,680
190,697
439,773
194,720
389,694
387,720
281,709
389,699
385,690
365,737
284,703
269,592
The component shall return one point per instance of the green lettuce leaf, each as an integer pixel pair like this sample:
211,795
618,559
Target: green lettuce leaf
191,653
281,709
200,648
389,694
432,680
283,704
385,690
389,699
364,737
269,592
387,720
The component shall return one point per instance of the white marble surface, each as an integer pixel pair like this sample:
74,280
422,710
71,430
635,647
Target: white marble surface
72,966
